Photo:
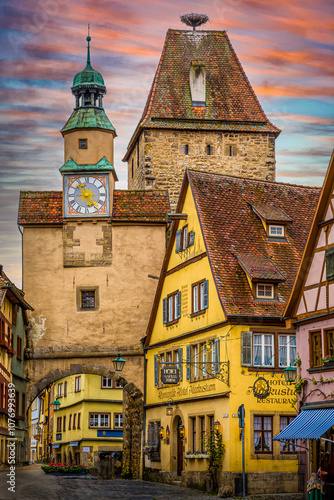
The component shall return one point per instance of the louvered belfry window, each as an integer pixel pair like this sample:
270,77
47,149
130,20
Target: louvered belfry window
88,299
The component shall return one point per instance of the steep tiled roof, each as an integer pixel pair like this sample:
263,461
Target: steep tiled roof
45,207
14,294
140,205
231,228
40,207
231,103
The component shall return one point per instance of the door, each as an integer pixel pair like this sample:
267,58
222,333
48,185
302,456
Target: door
179,451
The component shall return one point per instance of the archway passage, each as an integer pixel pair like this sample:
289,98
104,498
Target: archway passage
132,407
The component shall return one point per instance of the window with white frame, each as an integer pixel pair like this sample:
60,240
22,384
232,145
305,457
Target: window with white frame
264,291
107,383
263,350
78,383
99,420
118,420
200,296
60,390
287,350
171,308
276,231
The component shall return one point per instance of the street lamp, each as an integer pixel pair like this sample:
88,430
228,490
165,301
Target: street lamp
290,374
56,405
119,363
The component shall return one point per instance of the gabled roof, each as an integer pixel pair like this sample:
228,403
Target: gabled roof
9,290
230,229
45,207
271,213
231,103
319,216
259,268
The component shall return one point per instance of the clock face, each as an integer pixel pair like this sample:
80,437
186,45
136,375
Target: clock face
86,195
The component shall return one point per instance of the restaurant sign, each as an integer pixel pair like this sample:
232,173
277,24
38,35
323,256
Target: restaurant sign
170,375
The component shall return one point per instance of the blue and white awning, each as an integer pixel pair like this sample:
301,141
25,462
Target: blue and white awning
309,424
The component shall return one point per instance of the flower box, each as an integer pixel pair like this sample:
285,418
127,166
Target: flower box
197,455
65,469
329,364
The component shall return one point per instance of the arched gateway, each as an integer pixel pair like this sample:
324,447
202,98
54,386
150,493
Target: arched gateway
132,406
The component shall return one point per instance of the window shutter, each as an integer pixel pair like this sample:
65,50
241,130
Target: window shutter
206,295
234,150
246,348
215,355
156,370
191,238
178,305
164,311
180,362
188,361
178,241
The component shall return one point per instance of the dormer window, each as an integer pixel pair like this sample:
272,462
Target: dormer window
264,291
276,231
197,83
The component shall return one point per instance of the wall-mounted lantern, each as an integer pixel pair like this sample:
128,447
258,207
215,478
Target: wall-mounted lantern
217,425
181,431
56,405
169,410
167,434
290,374
119,363
161,431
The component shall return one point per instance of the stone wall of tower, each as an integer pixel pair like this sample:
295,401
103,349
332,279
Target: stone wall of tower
158,160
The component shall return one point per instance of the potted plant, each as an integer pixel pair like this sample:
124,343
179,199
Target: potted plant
328,361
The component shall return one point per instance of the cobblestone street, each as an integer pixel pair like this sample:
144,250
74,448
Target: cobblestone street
33,484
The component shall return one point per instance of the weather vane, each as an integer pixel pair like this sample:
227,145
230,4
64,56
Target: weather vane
194,20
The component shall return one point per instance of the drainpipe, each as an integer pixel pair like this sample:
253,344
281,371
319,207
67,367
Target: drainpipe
144,412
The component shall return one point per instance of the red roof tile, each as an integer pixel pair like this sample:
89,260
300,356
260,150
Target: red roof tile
45,207
259,268
140,205
40,207
231,103
231,228
271,213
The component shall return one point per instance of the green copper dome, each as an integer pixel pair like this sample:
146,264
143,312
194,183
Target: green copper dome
88,76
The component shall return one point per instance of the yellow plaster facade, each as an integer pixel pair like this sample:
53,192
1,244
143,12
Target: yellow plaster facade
75,438
204,396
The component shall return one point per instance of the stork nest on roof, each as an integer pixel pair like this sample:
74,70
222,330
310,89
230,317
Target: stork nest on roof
194,20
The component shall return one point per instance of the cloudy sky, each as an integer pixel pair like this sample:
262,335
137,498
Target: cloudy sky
286,49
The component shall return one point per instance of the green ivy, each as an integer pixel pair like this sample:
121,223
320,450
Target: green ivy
215,449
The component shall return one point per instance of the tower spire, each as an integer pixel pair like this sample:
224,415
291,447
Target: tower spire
88,48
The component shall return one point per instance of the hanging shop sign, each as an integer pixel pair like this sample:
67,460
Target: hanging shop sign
261,388
170,375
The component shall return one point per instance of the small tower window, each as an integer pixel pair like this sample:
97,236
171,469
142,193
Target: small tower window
186,149
82,143
208,149
132,168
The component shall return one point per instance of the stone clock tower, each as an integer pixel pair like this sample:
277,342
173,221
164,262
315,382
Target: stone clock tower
88,173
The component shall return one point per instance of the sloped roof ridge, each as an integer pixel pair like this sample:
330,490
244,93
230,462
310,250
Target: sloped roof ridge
249,84
192,170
